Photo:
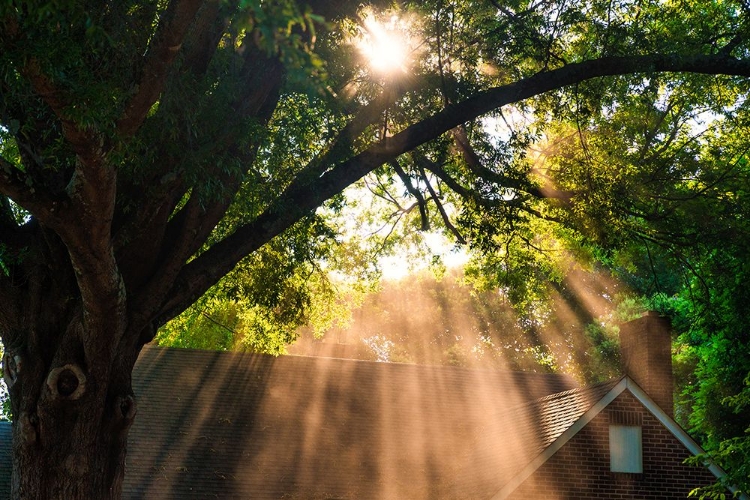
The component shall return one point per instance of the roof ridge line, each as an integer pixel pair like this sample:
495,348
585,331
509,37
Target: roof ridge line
467,369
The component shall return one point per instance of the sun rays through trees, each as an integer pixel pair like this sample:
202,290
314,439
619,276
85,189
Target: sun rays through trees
153,152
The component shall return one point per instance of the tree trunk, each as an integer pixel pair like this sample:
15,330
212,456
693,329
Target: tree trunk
70,425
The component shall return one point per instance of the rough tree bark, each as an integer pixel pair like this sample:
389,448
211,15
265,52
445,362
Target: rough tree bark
105,259
70,431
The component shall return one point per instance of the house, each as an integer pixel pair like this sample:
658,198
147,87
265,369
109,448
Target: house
237,425
5,459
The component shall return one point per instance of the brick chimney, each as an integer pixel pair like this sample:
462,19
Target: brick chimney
646,356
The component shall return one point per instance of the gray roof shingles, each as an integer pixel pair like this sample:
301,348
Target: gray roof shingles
232,425
5,459
238,425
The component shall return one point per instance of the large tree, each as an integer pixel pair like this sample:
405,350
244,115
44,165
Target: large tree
149,147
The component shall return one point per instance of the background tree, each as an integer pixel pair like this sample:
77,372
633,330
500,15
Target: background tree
428,319
147,148
667,173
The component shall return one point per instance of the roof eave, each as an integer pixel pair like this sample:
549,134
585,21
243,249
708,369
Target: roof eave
678,432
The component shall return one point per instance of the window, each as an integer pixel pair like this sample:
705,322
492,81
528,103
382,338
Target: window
625,449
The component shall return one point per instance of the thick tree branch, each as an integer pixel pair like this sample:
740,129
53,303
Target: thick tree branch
191,228
147,222
203,40
87,145
82,217
83,220
162,51
17,186
367,115
307,195
151,230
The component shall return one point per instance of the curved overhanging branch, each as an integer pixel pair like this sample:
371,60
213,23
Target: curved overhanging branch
367,115
306,194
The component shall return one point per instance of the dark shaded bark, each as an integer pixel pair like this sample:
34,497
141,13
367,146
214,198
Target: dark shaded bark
70,428
70,387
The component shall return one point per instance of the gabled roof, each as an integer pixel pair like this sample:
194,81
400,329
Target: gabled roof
552,415
536,424
565,414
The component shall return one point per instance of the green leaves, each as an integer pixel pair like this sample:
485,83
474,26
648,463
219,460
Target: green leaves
5,413
289,30
260,304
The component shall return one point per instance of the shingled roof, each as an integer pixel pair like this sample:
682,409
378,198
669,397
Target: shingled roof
554,414
5,458
233,425
538,423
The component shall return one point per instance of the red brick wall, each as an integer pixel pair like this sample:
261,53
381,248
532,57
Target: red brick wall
580,469
646,349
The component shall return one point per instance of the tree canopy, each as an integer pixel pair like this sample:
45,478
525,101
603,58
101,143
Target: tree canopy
147,149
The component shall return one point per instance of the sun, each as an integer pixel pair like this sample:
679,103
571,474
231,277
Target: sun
385,44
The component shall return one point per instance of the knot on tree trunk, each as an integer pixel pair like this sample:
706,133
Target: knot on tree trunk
125,409
67,382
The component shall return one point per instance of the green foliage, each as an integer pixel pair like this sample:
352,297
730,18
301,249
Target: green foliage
261,303
460,325
603,353
731,453
5,413
521,261
289,30
660,196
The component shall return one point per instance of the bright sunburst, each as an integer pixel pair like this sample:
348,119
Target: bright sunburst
385,44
